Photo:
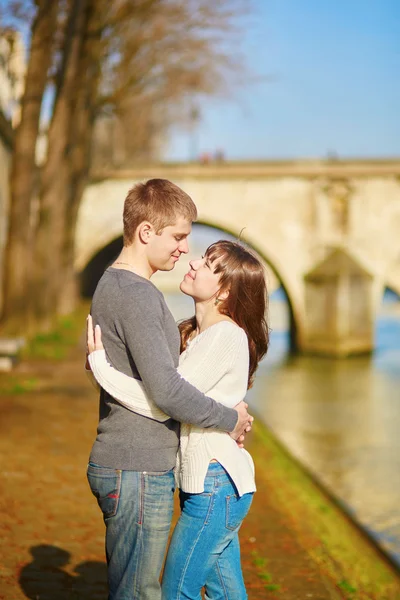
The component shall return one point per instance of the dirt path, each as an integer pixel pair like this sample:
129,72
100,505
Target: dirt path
52,531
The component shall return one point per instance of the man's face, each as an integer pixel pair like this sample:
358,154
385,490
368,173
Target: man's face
165,249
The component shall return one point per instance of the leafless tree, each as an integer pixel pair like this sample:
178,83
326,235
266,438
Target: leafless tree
142,62
23,175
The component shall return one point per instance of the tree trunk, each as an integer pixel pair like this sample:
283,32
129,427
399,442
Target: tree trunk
18,254
136,57
54,197
80,158
80,161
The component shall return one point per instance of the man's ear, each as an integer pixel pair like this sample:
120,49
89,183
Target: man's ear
145,232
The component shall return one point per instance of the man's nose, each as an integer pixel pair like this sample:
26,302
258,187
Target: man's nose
183,246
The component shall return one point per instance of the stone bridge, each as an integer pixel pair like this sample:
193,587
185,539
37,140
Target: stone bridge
292,213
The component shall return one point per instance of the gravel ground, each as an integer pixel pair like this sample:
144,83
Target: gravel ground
295,544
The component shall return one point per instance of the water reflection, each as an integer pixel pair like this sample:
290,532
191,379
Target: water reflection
340,418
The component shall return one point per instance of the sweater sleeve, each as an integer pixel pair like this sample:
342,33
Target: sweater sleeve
208,361
128,391
141,320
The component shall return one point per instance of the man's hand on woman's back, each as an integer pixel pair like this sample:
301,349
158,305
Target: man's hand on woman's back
244,423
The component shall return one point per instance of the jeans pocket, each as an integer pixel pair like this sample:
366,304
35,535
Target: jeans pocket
159,473
197,506
106,486
236,510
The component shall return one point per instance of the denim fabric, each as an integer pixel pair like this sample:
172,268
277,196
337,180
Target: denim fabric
137,509
204,549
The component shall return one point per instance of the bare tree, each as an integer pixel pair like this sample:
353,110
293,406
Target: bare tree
67,164
23,175
170,59
141,60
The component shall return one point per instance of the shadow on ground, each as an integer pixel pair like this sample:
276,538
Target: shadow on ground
45,577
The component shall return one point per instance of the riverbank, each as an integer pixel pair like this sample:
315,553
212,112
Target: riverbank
296,544
305,539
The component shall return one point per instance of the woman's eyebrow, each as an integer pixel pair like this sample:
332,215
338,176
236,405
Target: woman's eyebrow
209,263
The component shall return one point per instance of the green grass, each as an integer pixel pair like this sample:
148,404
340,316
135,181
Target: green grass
261,563
342,552
273,587
347,587
14,386
57,344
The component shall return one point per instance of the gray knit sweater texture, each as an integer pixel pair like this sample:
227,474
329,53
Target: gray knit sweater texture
142,340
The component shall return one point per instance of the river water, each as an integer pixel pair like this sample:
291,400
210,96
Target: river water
339,418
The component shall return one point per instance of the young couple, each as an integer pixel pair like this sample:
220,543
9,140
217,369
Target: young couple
171,389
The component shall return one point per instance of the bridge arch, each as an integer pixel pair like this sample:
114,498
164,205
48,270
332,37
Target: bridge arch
96,265
272,262
293,217
101,258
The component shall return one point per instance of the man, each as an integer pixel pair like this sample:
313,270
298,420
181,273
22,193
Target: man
132,459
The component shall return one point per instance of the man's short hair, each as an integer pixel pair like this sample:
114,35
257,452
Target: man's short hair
158,201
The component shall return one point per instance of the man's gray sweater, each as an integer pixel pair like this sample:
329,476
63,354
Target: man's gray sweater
142,340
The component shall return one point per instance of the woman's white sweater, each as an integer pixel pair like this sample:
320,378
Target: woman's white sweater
216,362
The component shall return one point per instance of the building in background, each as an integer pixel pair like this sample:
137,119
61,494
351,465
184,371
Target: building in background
12,77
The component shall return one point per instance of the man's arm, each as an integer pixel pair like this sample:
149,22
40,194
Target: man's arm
141,318
211,359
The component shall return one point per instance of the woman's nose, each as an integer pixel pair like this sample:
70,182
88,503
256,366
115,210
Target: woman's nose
194,264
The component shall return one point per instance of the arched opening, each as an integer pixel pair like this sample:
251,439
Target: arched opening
390,296
95,268
387,322
281,314
281,311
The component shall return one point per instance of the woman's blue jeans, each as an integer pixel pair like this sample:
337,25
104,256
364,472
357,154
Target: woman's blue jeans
137,509
205,549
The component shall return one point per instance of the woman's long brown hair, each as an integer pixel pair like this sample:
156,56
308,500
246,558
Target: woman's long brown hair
242,273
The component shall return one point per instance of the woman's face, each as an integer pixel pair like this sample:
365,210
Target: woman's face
200,282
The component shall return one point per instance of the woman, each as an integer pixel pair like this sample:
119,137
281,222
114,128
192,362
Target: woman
221,347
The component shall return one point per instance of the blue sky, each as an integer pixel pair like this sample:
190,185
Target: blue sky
334,85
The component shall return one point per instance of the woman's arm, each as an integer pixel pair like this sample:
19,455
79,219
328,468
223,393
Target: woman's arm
207,362
128,391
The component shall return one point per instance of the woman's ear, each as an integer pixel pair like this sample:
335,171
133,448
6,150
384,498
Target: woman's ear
145,231
223,295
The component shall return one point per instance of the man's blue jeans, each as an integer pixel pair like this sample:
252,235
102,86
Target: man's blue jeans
205,549
137,509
